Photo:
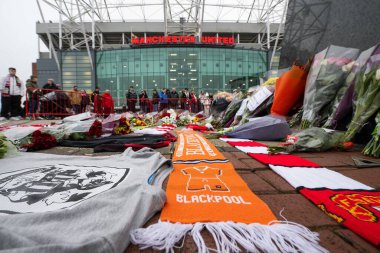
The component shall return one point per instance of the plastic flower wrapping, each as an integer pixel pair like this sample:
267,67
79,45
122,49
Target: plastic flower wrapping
367,101
343,102
373,146
327,75
168,117
124,127
40,141
3,146
270,82
313,139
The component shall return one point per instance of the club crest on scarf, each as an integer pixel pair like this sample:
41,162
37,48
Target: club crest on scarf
203,177
53,187
356,204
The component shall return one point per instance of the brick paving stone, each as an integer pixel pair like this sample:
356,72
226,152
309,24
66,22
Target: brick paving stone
241,155
356,241
252,163
308,155
235,161
256,184
189,245
276,181
219,143
134,248
297,209
228,149
347,157
368,176
335,158
340,169
329,161
334,243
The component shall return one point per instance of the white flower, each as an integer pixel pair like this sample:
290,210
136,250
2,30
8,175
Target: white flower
165,120
209,126
378,74
324,62
348,67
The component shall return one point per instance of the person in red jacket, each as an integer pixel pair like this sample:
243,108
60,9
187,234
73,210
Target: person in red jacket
107,103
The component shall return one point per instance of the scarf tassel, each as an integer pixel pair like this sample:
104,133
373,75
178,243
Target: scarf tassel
278,236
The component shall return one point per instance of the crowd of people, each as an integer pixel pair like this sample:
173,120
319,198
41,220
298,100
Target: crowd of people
51,101
168,99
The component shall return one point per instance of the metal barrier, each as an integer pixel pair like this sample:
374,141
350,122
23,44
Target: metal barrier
59,103
159,104
56,103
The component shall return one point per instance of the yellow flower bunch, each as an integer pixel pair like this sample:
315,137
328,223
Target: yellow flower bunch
270,82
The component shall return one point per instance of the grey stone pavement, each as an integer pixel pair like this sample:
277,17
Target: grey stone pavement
275,191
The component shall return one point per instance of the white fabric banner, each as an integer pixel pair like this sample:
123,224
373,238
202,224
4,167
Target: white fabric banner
317,178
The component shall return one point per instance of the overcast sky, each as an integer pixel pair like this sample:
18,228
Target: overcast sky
18,43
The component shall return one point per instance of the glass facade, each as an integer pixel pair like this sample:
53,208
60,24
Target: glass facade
76,70
208,69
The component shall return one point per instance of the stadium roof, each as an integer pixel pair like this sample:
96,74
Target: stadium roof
239,11
82,24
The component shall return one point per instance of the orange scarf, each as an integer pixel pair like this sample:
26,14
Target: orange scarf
204,191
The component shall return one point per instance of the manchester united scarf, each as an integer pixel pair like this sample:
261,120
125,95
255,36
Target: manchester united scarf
349,202
204,192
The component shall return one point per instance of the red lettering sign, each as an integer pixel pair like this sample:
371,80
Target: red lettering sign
135,40
180,39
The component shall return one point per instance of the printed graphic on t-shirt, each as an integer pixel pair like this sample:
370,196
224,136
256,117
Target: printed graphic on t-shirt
53,187
203,177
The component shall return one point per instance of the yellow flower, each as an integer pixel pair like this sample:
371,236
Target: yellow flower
270,81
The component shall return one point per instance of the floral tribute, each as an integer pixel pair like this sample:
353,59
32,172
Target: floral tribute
95,129
124,127
40,141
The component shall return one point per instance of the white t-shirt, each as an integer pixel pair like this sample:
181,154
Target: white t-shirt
77,203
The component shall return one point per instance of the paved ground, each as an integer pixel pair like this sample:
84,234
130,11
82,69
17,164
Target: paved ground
278,194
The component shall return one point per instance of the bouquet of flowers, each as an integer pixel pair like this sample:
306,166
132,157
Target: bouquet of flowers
198,118
124,127
270,82
137,121
3,146
260,101
95,129
343,102
219,107
373,146
230,112
312,140
290,88
326,77
296,119
367,103
168,117
40,141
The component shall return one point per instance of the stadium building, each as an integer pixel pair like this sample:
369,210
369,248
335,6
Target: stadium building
198,44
